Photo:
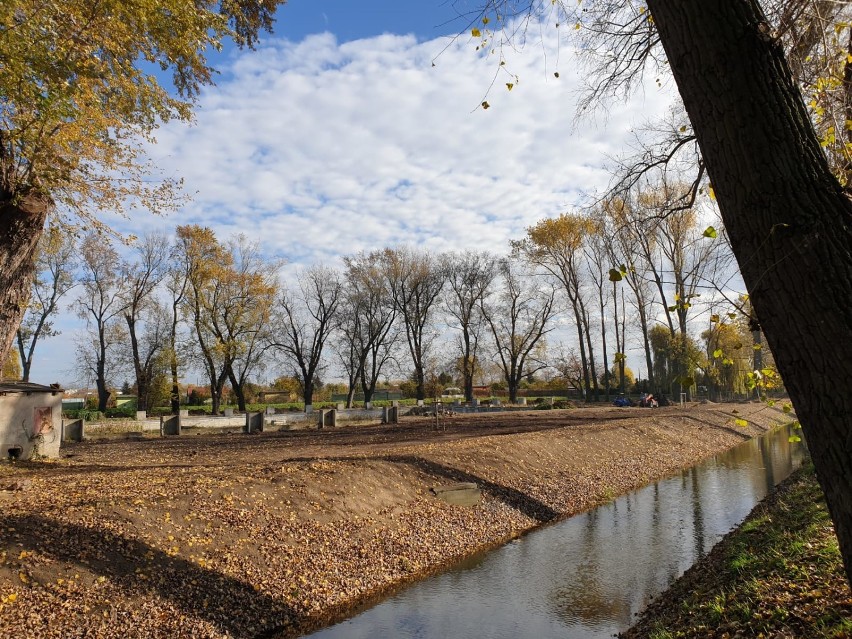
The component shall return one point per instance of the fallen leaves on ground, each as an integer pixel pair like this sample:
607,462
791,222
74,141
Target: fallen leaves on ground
232,536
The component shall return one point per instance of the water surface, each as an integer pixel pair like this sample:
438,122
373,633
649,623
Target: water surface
587,576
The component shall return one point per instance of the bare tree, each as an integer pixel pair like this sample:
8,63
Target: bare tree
469,279
415,280
519,317
308,317
56,262
146,353
599,264
101,305
140,280
629,248
367,324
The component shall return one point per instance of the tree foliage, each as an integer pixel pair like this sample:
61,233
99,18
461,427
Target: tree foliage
79,97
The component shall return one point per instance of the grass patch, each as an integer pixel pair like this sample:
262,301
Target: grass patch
779,574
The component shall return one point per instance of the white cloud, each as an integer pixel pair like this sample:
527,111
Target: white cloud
319,149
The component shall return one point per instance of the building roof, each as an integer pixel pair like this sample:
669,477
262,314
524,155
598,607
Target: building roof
28,387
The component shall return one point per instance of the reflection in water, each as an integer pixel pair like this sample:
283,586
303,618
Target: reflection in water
589,575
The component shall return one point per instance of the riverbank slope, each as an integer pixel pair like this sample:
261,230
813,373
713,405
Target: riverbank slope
269,535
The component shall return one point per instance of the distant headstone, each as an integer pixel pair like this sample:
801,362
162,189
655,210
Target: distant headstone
420,402
255,422
72,430
340,406
169,425
184,412
368,405
327,418
395,403
309,408
141,415
522,401
229,412
270,410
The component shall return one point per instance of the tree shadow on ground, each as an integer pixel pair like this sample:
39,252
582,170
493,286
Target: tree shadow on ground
236,609
736,430
528,505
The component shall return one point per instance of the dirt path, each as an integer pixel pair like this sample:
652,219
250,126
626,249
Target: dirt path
266,535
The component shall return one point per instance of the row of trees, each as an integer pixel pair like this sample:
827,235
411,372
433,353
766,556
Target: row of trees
615,276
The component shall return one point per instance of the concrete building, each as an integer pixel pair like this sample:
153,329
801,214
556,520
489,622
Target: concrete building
30,420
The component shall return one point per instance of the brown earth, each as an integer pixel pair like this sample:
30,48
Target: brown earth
269,535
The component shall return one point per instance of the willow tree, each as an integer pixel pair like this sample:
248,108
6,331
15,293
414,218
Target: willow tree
786,212
78,104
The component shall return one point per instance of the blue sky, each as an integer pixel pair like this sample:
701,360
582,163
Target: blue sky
350,20
338,134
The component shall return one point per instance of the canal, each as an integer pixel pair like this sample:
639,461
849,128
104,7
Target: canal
589,575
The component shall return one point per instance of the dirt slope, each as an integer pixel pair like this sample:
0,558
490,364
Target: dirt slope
266,535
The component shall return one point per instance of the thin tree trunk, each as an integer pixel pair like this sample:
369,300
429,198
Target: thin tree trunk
309,392
26,360
591,355
141,376
788,219
603,340
583,361
21,224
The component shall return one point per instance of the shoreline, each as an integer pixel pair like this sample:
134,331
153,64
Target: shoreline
778,574
277,535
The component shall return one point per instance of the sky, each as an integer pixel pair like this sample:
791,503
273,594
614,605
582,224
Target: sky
357,126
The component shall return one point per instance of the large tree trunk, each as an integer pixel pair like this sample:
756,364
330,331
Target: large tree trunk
22,220
789,222
238,389
309,392
468,362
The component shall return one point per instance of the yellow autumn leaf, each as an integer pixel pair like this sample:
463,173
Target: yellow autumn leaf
476,33
510,86
12,597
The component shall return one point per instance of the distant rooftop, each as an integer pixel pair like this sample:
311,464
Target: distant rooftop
28,387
